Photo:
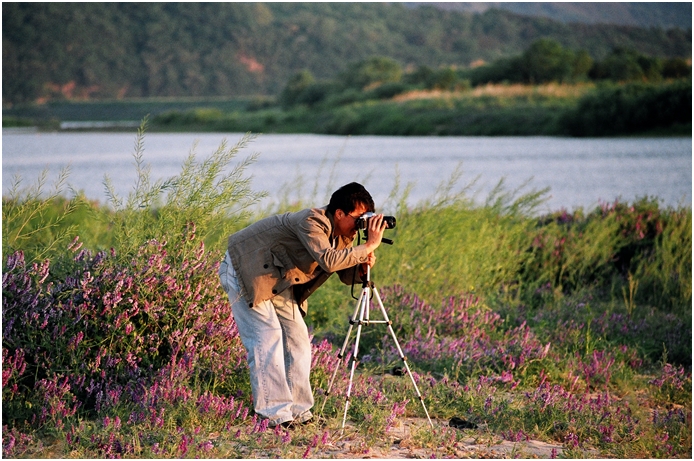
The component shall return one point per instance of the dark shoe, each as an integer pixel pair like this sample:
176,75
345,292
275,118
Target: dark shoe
398,371
308,421
285,424
316,421
294,424
460,423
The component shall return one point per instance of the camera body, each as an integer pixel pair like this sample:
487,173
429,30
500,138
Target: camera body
362,220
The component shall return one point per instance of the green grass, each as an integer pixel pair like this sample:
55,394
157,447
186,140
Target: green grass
570,328
494,116
494,110
125,109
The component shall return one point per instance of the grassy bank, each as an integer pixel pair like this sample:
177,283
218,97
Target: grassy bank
572,328
492,110
551,109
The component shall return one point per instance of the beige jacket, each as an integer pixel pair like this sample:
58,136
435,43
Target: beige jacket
291,250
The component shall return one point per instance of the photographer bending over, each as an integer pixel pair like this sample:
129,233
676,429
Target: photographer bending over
270,269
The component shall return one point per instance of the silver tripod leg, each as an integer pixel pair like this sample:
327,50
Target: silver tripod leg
363,312
341,354
402,356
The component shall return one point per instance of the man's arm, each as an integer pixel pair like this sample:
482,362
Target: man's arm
313,233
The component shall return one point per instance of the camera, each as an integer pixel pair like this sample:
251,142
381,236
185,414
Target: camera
363,220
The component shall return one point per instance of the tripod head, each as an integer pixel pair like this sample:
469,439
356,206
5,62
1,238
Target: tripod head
383,240
362,225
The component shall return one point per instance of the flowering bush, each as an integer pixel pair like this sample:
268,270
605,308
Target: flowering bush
672,385
462,334
572,250
108,333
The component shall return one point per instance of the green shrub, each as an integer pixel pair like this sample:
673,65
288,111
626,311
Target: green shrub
296,85
665,274
17,122
377,69
632,108
36,223
202,199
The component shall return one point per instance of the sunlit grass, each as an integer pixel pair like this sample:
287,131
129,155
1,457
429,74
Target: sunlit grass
515,90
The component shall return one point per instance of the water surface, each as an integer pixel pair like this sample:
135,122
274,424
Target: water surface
579,172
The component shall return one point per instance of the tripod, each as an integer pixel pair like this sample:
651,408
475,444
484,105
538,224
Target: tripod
360,318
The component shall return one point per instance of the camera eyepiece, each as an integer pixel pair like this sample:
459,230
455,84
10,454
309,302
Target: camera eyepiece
362,220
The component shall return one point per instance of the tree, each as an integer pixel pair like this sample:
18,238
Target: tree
424,75
375,70
296,85
620,65
546,60
581,65
445,79
676,68
125,49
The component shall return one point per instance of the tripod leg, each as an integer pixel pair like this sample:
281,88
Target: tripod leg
402,356
341,354
364,305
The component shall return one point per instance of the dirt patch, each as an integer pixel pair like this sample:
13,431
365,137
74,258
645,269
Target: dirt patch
399,444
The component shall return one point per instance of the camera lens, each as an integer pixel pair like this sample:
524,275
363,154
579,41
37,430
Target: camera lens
361,222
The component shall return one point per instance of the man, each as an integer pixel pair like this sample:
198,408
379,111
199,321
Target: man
269,271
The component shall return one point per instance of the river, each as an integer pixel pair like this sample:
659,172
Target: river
579,172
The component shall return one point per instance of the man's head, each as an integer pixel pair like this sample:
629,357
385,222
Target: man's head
346,205
348,197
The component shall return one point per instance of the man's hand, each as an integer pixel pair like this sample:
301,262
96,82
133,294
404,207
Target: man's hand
375,228
371,260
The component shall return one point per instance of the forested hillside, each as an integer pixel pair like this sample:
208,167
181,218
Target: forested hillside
114,50
641,14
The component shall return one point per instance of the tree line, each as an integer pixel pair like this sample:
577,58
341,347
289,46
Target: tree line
545,60
115,50
623,93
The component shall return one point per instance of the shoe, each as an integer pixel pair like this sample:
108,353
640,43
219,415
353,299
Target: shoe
398,371
294,424
460,423
285,424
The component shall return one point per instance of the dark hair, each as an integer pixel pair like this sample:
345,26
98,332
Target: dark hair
348,197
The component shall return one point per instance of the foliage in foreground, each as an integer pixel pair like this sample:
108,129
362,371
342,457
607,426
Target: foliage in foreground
210,195
144,360
566,328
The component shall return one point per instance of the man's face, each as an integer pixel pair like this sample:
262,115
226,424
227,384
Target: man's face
345,223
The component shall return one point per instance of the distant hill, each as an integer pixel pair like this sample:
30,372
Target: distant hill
640,14
115,50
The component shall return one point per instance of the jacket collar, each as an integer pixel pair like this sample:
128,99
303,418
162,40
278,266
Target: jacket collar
331,218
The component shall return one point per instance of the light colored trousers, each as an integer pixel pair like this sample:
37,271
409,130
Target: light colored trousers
279,351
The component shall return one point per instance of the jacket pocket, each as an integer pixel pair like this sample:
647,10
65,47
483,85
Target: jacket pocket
279,264
288,271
